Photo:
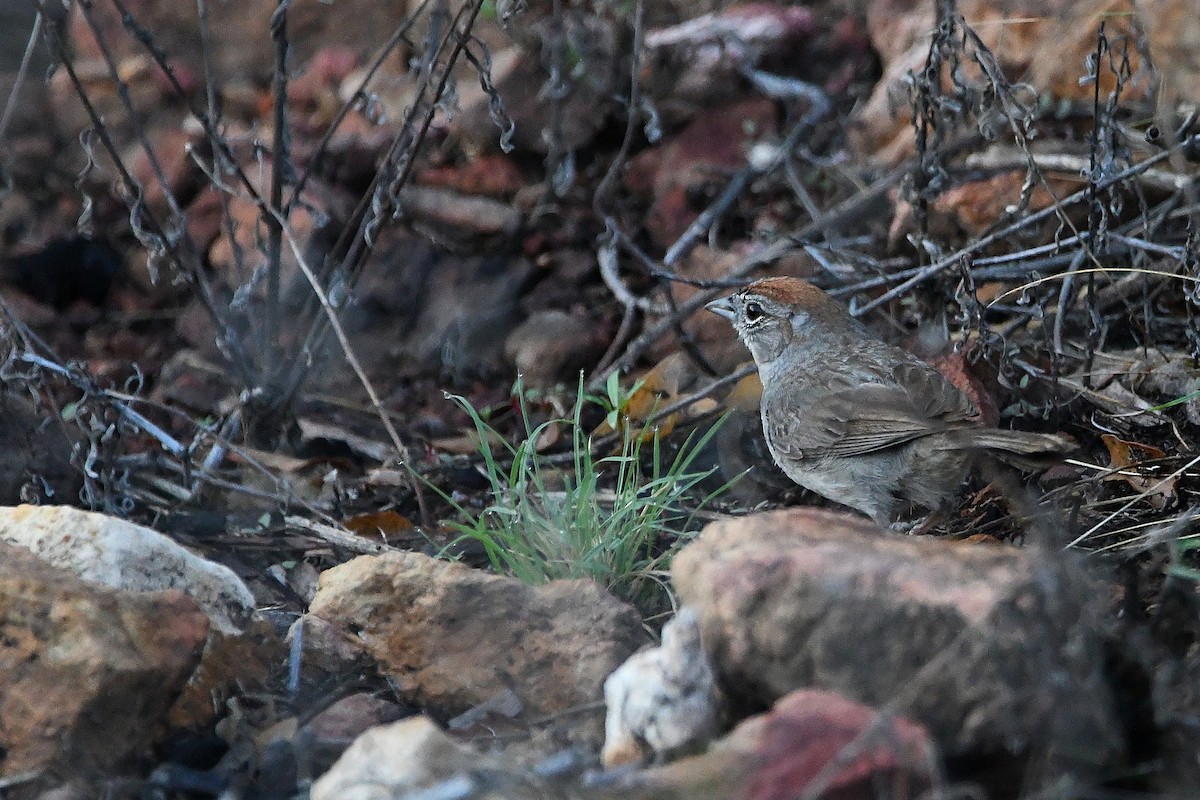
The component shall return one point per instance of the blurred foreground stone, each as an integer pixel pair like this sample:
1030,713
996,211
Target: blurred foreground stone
663,699
812,744
994,649
88,672
454,638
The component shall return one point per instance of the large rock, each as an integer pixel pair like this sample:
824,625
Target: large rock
454,638
88,672
123,555
993,648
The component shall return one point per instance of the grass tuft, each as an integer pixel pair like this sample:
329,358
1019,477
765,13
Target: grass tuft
616,518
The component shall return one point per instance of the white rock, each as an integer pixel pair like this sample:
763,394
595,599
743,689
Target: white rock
665,697
116,553
386,762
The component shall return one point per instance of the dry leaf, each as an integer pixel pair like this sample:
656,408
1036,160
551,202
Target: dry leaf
379,525
1124,457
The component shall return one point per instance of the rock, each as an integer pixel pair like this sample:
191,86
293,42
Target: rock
170,146
116,553
551,346
488,174
812,744
240,46
699,157
460,221
1173,28
351,717
521,81
992,648
663,699
232,665
700,63
392,760
1047,43
967,211
453,638
324,738
422,309
89,672
326,647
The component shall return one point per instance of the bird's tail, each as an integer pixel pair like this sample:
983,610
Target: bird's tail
1021,449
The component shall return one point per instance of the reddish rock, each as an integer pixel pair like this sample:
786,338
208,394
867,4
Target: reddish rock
707,151
169,145
241,41
812,744
967,211
487,174
991,647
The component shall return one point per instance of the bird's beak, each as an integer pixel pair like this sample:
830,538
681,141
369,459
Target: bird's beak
723,307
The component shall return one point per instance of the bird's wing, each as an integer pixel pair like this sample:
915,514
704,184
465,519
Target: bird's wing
868,417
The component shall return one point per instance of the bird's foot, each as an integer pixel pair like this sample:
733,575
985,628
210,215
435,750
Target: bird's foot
920,526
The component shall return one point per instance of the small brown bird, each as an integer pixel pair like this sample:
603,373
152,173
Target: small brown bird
855,419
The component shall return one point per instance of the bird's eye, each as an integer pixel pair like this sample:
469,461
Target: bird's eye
754,311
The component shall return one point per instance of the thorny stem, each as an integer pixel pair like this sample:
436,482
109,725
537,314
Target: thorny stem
379,201
927,272
280,166
359,96
187,260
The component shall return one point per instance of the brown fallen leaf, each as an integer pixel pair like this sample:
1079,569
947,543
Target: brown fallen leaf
1124,458
386,523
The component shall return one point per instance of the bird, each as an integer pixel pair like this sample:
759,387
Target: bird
858,420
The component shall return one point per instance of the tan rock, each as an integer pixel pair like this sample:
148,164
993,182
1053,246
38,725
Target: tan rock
1044,44
120,554
89,672
453,638
991,647
392,760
